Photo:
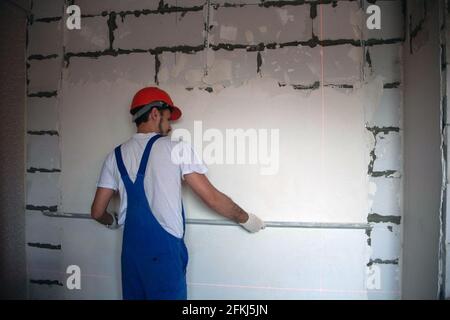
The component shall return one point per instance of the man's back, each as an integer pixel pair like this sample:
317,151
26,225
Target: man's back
162,182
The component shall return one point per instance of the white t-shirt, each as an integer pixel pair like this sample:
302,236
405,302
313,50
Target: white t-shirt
162,182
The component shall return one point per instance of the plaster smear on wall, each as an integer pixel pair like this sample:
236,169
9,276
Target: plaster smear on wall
371,93
357,19
285,16
228,33
320,173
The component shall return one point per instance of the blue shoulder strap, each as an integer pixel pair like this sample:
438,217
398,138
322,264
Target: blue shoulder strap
121,166
143,165
146,154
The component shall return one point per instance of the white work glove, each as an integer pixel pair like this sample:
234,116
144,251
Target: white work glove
114,225
253,224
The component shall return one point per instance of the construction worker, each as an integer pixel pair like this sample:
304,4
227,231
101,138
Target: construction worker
154,255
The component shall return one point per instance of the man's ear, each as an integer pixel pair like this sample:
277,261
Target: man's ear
154,114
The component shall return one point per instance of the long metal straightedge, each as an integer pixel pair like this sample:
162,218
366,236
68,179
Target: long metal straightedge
269,224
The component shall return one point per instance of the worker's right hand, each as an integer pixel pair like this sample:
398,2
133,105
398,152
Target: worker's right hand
253,224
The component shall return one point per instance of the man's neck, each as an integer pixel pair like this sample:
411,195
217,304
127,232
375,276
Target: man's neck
146,129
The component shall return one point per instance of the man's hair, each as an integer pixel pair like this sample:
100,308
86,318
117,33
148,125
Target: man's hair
144,117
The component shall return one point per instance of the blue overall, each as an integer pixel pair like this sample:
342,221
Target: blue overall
153,261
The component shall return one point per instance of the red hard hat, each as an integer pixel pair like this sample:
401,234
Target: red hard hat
152,94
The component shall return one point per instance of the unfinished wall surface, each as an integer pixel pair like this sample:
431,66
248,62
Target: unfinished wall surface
13,276
422,140
332,88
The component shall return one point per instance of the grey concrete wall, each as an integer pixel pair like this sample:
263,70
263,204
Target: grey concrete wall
422,154
12,156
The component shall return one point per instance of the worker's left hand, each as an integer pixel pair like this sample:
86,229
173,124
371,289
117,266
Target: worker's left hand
114,225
